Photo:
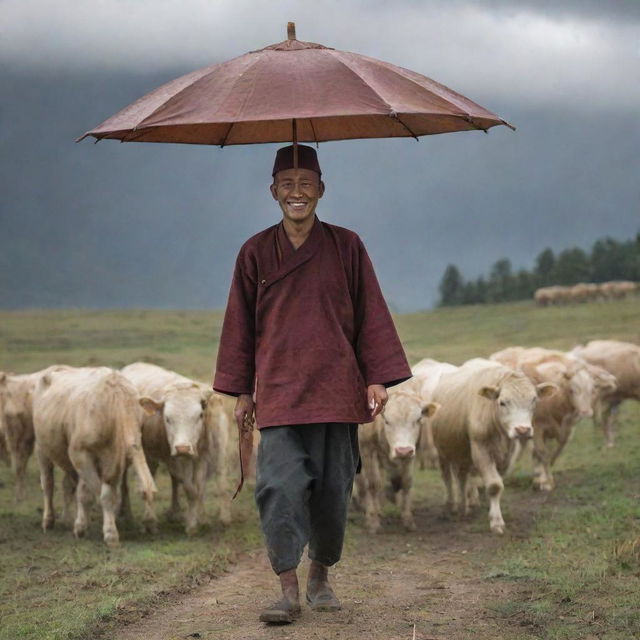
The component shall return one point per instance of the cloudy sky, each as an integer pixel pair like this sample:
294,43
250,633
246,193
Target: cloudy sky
114,225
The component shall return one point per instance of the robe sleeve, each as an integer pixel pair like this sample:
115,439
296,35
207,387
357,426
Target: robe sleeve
235,366
378,349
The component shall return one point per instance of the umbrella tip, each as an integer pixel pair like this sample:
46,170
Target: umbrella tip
291,30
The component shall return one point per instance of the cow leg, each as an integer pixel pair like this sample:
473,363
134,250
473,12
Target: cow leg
20,468
69,486
462,478
89,485
221,486
109,499
565,435
493,485
609,423
124,511
175,510
47,484
371,481
149,517
473,494
446,472
191,512
405,504
543,479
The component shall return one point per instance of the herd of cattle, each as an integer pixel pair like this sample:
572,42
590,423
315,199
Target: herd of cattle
585,292
474,421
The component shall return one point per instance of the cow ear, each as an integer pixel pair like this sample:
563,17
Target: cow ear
490,393
430,409
150,406
206,396
546,389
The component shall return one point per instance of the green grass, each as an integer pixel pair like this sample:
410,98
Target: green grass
578,558
581,583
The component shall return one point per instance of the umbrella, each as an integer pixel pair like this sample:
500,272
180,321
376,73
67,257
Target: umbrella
298,91
294,91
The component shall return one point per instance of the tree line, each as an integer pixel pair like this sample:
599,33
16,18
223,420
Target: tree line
608,260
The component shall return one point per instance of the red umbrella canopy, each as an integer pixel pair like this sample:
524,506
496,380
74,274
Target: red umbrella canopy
324,93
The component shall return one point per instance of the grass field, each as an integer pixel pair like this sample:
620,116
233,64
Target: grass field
579,557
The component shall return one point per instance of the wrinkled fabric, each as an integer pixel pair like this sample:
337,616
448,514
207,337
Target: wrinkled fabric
303,486
307,330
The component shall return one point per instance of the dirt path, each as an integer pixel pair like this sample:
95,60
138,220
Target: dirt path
436,579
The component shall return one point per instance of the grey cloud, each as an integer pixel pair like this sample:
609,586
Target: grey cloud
529,52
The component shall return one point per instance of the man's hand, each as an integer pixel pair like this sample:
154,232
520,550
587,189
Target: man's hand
244,412
376,398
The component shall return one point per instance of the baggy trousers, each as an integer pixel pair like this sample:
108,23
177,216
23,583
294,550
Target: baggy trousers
304,480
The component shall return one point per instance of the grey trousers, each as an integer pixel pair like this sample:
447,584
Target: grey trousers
304,480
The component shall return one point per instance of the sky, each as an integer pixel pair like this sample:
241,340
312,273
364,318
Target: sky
148,225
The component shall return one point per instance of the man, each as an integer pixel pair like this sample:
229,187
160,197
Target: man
308,334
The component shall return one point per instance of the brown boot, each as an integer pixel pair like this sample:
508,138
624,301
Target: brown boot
288,607
320,595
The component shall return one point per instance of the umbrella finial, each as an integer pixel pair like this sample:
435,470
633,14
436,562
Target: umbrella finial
291,30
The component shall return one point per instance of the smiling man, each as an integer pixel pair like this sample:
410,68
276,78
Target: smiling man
309,344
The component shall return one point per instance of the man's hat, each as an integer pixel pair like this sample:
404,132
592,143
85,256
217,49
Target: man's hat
307,159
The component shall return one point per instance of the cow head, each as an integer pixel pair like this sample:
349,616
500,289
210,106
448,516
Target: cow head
582,390
403,418
514,401
182,408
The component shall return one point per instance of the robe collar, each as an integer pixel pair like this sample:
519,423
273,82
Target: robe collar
290,258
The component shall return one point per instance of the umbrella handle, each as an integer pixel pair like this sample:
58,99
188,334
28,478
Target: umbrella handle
294,135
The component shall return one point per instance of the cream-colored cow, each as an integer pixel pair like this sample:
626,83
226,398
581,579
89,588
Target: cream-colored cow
622,360
388,448
16,421
87,421
426,375
188,431
484,412
556,416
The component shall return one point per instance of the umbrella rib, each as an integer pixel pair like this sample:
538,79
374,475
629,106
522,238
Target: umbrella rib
394,115
441,94
202,78
363,81
315,137
226,135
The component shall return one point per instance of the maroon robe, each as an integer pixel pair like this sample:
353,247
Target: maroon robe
308,329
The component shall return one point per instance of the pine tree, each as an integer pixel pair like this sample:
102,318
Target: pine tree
543,271
451,286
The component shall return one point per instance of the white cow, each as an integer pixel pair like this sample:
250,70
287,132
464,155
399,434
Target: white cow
188,431
426,375
388,447
87,421
622,360
16,421
484,411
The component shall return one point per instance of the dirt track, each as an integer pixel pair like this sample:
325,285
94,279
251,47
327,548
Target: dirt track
436,579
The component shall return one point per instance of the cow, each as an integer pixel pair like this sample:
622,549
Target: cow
87,421
509,357
16,421
622,360
388,448
555,417
602,383
483,412
186,429
426,375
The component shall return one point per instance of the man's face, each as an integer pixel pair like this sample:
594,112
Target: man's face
297,192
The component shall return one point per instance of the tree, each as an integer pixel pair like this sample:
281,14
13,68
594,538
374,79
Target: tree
501,285
545,265
572,266
451,286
